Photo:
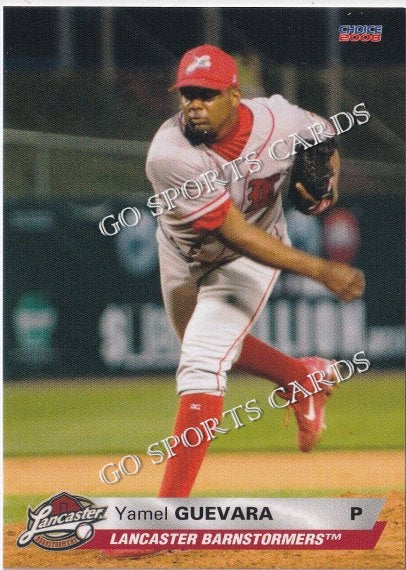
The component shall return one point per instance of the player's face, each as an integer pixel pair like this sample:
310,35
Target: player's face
209,114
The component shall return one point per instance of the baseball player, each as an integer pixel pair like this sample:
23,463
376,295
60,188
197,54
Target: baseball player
218,169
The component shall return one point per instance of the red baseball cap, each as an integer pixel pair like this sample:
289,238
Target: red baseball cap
207,66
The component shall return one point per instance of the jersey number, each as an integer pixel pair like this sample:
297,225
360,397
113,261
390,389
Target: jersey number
261,193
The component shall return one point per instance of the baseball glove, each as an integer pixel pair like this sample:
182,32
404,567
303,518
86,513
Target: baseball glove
314,174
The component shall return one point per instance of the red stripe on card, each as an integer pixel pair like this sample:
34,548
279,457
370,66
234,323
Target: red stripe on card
249,539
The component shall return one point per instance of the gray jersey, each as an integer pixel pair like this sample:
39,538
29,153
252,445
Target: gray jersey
190,181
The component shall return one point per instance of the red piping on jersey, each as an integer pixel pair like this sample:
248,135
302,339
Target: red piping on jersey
259,152
248,173
245,329
203,207
233,143
240,135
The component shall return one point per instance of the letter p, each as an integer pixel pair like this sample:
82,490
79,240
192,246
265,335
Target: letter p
355,512
169,443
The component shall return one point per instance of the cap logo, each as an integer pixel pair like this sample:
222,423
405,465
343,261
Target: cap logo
203,61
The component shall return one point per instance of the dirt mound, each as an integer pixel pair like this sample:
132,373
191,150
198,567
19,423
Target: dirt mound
335,472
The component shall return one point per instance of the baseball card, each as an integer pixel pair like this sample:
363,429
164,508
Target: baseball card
203,275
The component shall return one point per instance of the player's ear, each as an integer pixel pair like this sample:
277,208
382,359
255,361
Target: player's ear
235,97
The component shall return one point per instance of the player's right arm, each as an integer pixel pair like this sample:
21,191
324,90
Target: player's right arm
346,282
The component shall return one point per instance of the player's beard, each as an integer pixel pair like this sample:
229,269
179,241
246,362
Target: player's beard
196,137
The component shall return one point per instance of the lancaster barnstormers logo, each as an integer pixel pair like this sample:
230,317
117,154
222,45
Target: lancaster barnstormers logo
61,523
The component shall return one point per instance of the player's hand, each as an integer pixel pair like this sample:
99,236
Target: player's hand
346,282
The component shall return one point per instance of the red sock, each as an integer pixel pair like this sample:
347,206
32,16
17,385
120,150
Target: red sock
181,470
265,361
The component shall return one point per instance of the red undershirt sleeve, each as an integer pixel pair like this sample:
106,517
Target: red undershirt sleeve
213,219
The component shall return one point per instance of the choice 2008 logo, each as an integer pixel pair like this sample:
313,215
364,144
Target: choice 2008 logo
62,522
360,33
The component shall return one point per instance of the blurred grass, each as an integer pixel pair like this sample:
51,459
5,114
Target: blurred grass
113,416
75,174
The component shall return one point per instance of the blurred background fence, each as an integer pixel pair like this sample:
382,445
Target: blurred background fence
84,91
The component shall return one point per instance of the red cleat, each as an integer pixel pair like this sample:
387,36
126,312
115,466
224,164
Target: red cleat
309,411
